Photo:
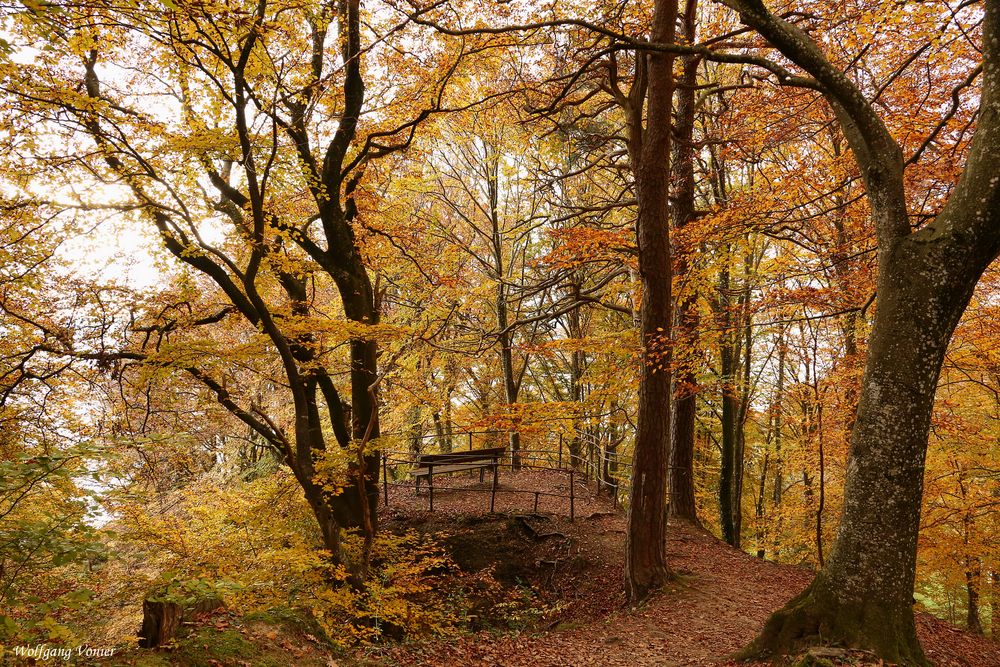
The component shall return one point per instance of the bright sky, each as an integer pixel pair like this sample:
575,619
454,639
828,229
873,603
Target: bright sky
116,252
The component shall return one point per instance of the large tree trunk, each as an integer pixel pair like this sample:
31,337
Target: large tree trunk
863,595
645,551
349,507
744,349
578,361
728,365
777,423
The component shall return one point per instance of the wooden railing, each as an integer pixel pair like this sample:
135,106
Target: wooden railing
595,466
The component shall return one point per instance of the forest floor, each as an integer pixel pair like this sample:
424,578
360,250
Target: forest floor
720,601
560,588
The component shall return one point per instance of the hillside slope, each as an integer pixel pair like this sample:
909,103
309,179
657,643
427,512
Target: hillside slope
721,600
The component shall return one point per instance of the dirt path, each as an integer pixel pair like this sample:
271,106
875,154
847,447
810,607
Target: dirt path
720,602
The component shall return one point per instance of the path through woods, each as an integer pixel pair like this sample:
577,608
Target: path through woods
719,606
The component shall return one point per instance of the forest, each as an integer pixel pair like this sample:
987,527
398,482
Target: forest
703,290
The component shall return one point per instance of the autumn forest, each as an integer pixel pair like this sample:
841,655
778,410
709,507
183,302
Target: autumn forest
508,332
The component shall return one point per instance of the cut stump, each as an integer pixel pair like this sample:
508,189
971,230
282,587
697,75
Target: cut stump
160,621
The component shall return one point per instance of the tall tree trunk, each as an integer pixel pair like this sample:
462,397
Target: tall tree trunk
682,499
863,595
777,406
973,565
820,506
359,305
728,367
510,384
744,349
578,361
645,551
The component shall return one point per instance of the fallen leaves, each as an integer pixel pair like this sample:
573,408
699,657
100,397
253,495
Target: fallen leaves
721,602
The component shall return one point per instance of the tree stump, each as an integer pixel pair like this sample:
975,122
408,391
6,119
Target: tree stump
160,621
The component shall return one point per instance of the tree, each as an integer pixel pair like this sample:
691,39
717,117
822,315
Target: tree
682,498
256,87
649,151
491,208
863,594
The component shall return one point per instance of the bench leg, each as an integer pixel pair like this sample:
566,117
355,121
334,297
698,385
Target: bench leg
493,493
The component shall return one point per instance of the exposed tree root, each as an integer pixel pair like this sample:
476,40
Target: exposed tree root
817,617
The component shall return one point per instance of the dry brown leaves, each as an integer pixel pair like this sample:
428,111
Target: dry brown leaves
721,600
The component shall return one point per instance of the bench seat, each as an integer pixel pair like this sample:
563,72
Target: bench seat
452,467
429,465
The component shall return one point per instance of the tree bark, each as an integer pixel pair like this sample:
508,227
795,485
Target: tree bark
728,453
862,597
973,575
578,361
681,480
645,551
777,407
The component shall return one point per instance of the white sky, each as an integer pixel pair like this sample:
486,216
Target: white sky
116,251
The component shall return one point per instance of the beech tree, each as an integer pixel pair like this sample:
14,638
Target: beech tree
926,276
260,140
649,151
682,499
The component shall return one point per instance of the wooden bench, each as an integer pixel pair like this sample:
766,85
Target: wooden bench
428,465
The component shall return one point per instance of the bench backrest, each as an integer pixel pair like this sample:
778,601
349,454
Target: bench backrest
489,454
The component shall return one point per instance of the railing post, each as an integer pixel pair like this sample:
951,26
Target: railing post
572,494
385,478
470,441
430,484
536,502
493,492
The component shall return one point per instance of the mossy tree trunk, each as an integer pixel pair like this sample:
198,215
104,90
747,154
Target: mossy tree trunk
862,597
